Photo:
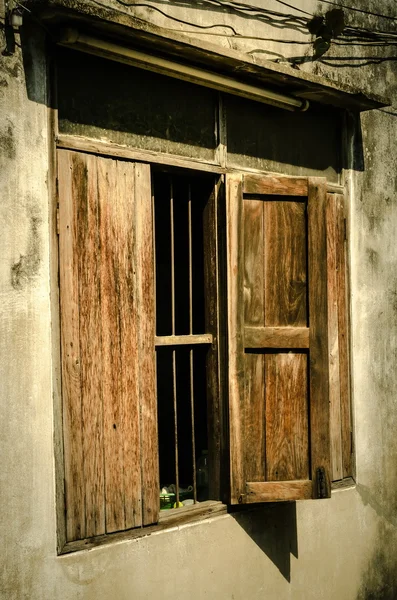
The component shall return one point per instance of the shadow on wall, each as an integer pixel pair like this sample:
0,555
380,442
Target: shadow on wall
273,528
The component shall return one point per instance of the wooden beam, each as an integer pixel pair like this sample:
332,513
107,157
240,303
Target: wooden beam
183,340
275,186
93,146
278,491
276,337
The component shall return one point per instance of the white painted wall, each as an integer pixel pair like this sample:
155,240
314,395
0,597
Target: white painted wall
345,547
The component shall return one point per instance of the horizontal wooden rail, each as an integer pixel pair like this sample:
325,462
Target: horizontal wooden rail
183,340
287,186
278,491
276,337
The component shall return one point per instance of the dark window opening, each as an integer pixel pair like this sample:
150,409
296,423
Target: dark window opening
182,309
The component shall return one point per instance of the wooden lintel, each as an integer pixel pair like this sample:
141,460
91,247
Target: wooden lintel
183,340
278,491
93,146
275,186
276,337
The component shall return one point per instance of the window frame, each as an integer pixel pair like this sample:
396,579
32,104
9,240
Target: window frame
97,147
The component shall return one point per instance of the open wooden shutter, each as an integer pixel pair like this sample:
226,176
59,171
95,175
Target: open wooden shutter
107,341
338,314
279,416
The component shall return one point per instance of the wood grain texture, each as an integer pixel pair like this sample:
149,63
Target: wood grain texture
333,339
254,417
183,340
107,305
84,144
273,185
343,333
70,351
287,422
254,313
147,366
235,303
280,491
212,325
285,264
276,337
87,249
119,347
318,323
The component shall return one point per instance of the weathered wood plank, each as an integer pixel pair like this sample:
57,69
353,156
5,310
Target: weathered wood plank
128,340
285,264
235,300
90,343
276,186
319,371
147,367
276,337
343,332
110,272
254,314
212,325
183,340
287,422
253,263
70,347
280,491
84,144
119,348
333,339
254,417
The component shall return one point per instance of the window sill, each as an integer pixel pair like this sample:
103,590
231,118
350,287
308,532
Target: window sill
167,520
343,484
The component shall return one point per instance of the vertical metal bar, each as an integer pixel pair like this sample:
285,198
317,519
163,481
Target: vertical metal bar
191,349
173,333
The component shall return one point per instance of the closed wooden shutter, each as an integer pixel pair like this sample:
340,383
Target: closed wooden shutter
279,415
107,342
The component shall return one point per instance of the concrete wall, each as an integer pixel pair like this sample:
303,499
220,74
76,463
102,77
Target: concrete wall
345,547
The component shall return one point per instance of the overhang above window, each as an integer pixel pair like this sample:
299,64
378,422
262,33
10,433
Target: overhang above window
126,32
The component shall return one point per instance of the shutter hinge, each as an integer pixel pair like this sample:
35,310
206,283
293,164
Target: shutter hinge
321,483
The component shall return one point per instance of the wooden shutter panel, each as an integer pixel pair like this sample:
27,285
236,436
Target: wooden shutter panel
107,343
341,439
277,338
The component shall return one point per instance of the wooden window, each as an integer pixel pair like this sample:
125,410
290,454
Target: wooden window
246,294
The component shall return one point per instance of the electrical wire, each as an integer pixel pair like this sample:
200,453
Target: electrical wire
360,10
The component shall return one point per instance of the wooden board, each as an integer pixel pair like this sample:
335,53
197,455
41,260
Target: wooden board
254,314
147,364
235,296
287,417
318,323
87,243
107,305
333,340
285,264
343,333
276,337
273,185
70,351
280,491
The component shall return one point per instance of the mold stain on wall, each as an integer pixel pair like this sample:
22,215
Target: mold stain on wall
27,267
